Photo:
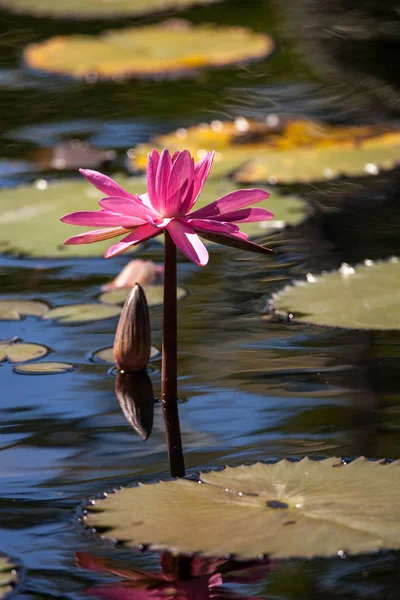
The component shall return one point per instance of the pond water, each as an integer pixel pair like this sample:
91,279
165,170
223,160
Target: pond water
251,388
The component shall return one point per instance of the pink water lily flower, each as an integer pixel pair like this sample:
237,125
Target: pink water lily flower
174,183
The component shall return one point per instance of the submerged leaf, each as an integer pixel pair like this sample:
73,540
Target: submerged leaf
8,576
285,151
78,313
165,49
93,9
14,309
288,509
43,368
154,295
364,297
16,351
135,395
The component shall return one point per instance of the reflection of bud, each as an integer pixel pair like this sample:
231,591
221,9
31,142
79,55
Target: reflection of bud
134,393
133,338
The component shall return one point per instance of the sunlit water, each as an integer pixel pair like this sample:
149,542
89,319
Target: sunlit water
251,388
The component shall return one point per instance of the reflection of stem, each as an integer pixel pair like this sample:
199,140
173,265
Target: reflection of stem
169,394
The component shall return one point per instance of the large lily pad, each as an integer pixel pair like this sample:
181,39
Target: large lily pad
8,576
16,351
364,297
285,151
82,313
43,368
93,9
14,309
288,509
172,48
154,295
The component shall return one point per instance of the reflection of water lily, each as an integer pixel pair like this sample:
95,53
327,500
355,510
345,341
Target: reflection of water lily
182,578
174,183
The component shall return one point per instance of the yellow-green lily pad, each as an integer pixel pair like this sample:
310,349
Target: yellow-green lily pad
106,355
8,576
173,48
43,368
287,509
154,295
82,313
285,151
16,351
93,9
14,309
362,297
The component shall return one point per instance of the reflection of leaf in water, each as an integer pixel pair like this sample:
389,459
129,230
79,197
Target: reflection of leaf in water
43,368
8,576
154,295
16,351
285,151
287,509
79,313
364,297
14,309
141,51
93,9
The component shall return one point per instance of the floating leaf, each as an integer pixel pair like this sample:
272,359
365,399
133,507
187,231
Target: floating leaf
92,9
8,576
167,49
16,351
364,297
106,355
154,295
14,310
288,509
78,313
43,368
285,151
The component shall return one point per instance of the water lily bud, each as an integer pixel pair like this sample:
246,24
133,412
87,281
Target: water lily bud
135,395
133,337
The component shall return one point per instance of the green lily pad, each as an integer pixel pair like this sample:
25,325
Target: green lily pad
16,351
79,313
92,9
14,309
364,297
8,576
167,49
106,355
288,509
154,295
43,368
285,151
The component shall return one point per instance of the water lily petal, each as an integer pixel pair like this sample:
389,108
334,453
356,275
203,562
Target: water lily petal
213,226
201,172
246,215
105,184
188,242
127,206
161,180
141,234
89,218
153,160
180,185
97,235
235,240
230,203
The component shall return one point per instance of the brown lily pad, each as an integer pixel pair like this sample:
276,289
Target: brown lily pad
166,49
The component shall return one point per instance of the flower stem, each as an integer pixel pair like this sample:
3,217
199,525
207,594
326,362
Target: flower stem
169,394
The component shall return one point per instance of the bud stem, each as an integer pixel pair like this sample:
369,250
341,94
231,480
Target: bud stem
169,393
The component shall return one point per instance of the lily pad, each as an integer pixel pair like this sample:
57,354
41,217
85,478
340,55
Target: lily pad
154,295
285,151
288,509
167,49
364,297
79,313
106,355
14,309
16,351
8,576
43,368
92,9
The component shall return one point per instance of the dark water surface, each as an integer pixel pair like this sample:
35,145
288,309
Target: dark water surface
251,388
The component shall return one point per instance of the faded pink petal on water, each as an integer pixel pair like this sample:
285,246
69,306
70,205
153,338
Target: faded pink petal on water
102,218
144,272
97,235
229,203
105,184
188,242
141,234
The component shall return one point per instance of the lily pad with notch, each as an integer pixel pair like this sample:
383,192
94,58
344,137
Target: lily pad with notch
170,49
43,368
17,351
288,509
82,313
363,297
